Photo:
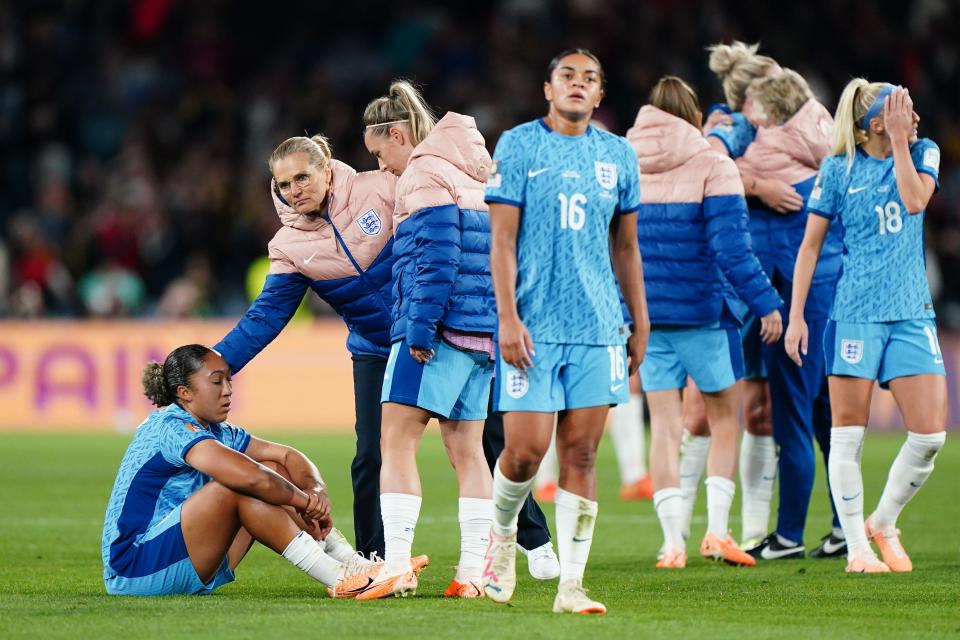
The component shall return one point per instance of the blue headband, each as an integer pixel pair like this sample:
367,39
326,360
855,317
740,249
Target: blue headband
877,107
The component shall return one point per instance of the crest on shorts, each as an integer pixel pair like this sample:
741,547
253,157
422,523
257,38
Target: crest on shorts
370,223
606,174
851,351
517,384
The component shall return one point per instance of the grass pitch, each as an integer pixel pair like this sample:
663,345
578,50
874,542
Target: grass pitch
53,490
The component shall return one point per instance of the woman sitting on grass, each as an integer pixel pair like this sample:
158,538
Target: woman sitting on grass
193,493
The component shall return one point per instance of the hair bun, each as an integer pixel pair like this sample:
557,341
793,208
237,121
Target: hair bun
725,57
155,385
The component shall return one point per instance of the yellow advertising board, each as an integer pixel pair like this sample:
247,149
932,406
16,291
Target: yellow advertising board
70,375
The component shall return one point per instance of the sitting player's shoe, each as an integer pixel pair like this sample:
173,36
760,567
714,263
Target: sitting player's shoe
725,549
546,492
642,489
673,559
830,547
891,550
866,562
572,598
500,567
419,563
383,586
770,548
542,562
357,574
469,589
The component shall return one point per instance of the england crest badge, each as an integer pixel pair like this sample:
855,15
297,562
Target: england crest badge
851,351
606,174
370,223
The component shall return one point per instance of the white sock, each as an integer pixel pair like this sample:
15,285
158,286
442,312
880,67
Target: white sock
547,473
758,471
846,485
720,493
400,512
626,429
669,506
910,469
476,516
693,462
576,517
508,497
307,554
336,546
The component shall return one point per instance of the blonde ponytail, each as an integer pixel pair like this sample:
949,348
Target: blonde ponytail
736,65
855,101
403,103
316,147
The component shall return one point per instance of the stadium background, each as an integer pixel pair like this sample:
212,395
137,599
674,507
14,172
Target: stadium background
134,209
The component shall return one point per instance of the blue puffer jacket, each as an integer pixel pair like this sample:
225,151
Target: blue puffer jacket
792,153
442,229
346,257
692,227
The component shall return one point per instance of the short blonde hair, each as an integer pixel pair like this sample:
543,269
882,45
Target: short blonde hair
736,65
316,147
781,96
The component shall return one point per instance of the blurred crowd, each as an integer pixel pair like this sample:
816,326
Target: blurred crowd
134,133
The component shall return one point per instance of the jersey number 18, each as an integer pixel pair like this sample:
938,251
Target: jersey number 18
890,219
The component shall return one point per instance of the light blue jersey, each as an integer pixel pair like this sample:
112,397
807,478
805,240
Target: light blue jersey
568,188
736,136
153,481
884,272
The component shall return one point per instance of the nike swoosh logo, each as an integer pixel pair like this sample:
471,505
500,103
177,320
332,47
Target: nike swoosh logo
830,547
853,497
312,256
616,387
499,508
856,189
770,554
533,173
576,539
915,485
361,589
768,477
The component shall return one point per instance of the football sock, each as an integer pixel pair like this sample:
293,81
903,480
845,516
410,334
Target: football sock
758,471
627,431
720,493
508,498
846,485
693,463
400,513
475,515
307,554
910,469
576,517
669,506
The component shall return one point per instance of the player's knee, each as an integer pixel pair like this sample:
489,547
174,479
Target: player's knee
521,461
580,457
696,424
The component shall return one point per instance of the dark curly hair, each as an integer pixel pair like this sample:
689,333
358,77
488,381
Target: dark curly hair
160,381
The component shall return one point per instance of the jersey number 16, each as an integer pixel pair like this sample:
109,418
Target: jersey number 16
572,215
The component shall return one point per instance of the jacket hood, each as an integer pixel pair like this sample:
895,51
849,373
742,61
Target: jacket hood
456,139
663,141
340,182
805,139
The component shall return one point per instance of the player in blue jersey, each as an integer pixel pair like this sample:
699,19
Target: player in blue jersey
881,327
729,131
194,492
563,200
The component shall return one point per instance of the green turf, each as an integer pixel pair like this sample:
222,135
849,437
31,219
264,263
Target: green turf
53,490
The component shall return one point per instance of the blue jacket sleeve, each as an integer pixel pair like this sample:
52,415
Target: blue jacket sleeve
264,320
436,236
729,242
